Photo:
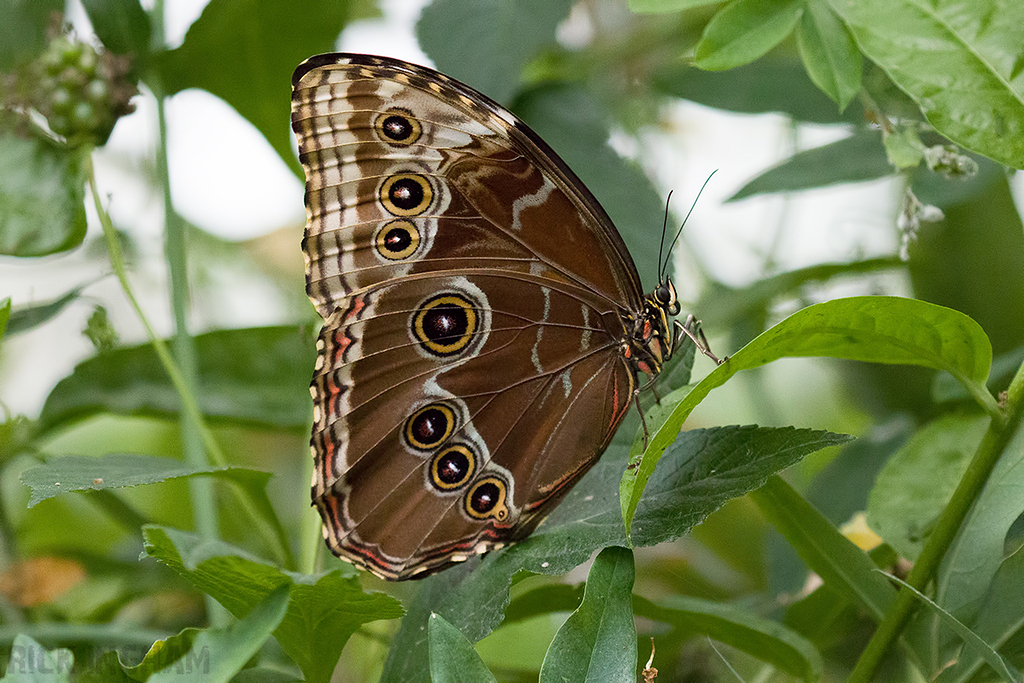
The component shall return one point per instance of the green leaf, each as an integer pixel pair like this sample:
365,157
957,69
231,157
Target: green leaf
244,52
843,567
917,482
452,657
960,61
769,641
744,30
501,36
218,654
977,553
853,159
904,148
23,29
702,470
887,330
577,128
30,662
257,375
1001,616
325,610
597,642
162,653
746,89
121,25
663,6
42,192
829,53
28,317
5,316
1002,667
117,470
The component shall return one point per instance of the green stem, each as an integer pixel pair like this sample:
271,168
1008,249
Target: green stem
1000,431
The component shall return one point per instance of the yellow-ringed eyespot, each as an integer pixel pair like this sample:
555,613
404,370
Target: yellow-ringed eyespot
452,467
397,240
429,426
445,324
487,499
406,194
397,127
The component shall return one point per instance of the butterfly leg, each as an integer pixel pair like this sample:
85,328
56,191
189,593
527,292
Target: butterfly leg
692,329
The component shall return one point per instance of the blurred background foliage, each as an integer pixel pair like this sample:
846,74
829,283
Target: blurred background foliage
626,94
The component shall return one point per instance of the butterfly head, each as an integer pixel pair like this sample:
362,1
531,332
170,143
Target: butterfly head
652,342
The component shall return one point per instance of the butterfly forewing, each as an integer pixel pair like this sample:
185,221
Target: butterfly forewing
476,298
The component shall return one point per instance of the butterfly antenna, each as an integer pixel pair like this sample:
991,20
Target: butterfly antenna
692,206
664,231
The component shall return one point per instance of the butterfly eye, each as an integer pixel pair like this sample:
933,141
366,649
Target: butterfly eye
452,467
406,194
487,499
397,127
429,426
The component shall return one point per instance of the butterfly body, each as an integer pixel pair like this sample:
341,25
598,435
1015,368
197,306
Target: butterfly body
484,322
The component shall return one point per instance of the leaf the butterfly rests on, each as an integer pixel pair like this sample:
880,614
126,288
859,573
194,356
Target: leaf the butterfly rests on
484,323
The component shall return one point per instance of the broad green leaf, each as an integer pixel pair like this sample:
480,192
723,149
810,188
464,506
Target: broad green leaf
887,330
662,6
744,30
501,36
769,641
107,669
917,482
244,52
842,566
699,473
218,654
771,84
42,193
960,61
452,657
854,159
162,653
27,317
30,662
256,375
1006,671
23,28
324,609
116,470
577,128
975,556
1001,616
597,642
122,25
829,54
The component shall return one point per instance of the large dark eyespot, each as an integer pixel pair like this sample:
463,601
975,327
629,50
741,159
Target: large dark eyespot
406,194
397,127
397,240
429,426
445,324
487,499
452,467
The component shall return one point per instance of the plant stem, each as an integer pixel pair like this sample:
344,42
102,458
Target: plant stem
1000,431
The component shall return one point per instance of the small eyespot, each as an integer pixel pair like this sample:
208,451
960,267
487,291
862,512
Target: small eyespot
429,426
397,127
452,467
406,194
445,324
397,240
487,499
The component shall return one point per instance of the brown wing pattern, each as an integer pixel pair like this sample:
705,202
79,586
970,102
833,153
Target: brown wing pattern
471,365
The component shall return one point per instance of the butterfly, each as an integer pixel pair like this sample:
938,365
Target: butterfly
484,325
